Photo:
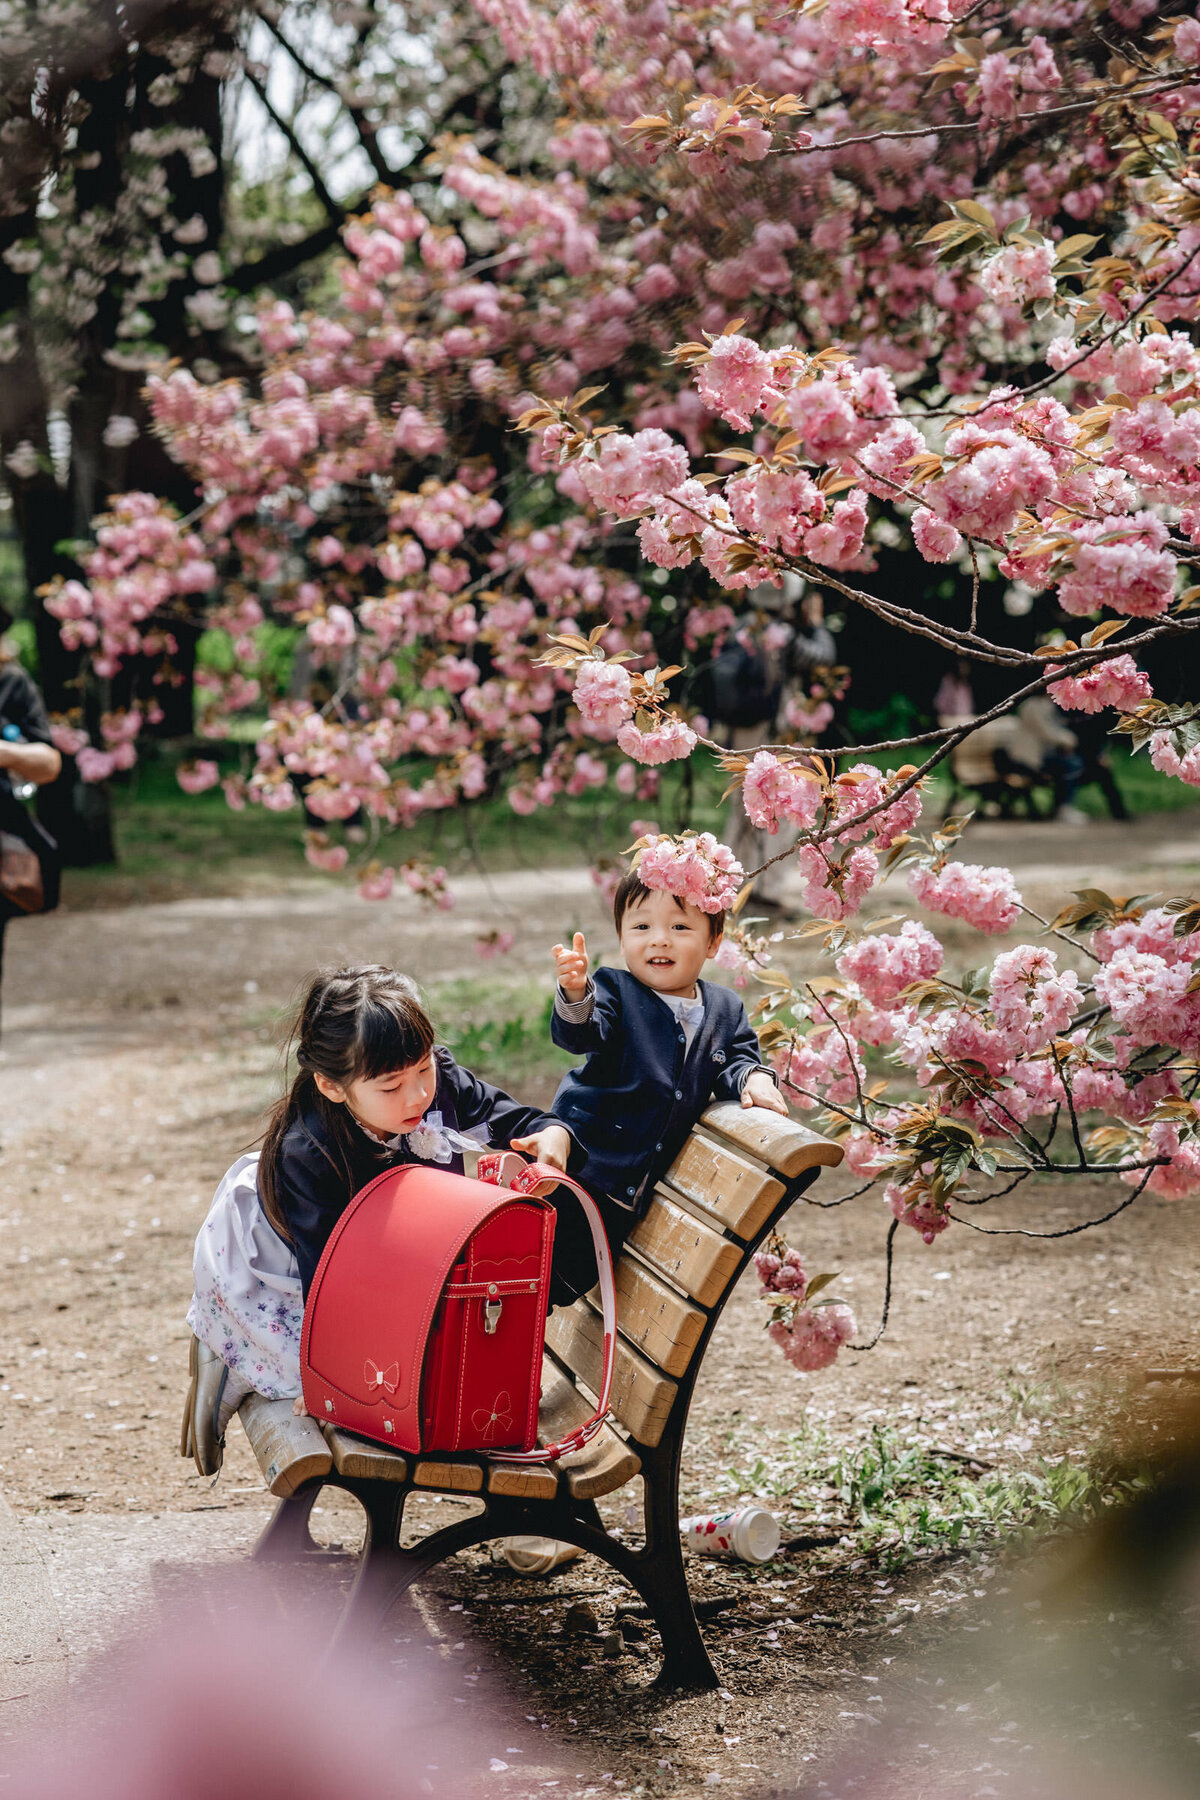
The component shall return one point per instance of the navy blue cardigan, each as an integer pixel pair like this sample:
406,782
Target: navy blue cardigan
638,1095
316,1183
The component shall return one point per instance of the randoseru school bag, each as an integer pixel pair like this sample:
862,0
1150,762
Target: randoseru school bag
425,1321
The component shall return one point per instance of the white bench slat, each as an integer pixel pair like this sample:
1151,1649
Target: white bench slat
739,1194
693,1256
782,1143
288,1446
654,1317
642,1395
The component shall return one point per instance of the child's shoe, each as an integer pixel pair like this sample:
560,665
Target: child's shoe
537,1555
208,1408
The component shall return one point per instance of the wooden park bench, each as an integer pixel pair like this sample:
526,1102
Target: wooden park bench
738,1173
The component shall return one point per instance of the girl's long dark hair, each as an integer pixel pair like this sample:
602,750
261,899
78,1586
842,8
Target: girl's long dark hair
353,1025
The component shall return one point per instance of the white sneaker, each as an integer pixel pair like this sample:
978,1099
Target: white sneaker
1071,815
537,1555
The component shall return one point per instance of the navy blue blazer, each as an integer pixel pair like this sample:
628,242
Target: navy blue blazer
317,1181
637,1096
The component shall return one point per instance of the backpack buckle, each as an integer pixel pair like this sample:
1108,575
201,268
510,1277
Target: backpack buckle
491,1315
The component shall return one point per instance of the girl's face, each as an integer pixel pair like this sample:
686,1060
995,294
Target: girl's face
666,945
391,1105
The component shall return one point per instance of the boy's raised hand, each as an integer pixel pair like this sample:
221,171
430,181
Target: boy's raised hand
571,967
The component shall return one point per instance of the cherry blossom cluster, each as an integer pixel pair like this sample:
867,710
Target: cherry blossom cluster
809,1334
142,574
1119,683
693,866
867,312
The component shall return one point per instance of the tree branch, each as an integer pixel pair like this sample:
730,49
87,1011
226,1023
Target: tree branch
366,132
310,168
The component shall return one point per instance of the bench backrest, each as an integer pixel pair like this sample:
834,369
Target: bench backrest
739,1170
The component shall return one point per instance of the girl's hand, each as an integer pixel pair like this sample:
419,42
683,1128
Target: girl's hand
571,967
551,1145
760,1090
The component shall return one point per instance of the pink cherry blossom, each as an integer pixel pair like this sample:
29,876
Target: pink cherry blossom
1154,931
824,1065
195,777
733,380
322,854
834,416
1118,683
774,790
1019,274
862,788
998,84
69,739
1168,761
376,883
1179,1178
629,473
1122,565
1032,1000
885,963
495,943
836,883
914,1205
603,695
666,741
94,765
936,540
696,868
1149,998
814,1336
985,898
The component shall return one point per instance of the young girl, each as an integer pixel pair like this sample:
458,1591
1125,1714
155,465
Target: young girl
373,1090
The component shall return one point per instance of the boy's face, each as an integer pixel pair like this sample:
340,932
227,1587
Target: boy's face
666,945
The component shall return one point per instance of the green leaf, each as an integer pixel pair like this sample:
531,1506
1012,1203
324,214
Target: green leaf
978,214
1075,246
817,1283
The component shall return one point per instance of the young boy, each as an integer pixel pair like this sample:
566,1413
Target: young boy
660,1044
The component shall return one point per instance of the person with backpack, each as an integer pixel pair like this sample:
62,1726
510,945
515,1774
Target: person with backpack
373,1090
29,867
764,654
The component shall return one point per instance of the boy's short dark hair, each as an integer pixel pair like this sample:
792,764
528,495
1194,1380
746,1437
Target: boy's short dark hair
632,890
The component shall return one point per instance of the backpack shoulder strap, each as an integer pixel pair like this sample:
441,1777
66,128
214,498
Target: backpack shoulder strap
508,1169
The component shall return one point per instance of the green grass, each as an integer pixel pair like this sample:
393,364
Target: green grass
486,1027
894,1497
171,844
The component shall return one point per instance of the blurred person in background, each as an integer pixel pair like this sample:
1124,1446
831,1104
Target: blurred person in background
1044,744
28,760
1092,732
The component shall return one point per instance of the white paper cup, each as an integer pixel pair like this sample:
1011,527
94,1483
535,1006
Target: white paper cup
749,1534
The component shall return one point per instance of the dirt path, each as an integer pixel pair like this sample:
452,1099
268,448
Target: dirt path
139,1048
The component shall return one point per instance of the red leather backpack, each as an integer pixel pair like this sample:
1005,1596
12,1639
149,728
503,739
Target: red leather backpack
425,1322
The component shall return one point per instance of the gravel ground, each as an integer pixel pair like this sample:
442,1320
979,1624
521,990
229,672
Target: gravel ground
139,1049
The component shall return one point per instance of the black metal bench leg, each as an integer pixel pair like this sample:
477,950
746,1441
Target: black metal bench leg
384,1570
286,1537
663,1583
